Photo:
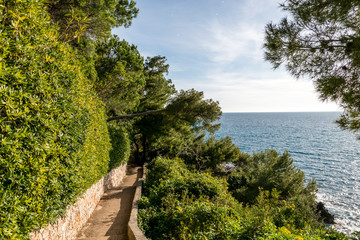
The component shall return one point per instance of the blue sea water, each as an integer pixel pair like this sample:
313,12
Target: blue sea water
318,147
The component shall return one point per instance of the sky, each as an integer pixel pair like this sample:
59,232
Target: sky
216,46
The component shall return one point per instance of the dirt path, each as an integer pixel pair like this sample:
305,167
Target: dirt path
110,218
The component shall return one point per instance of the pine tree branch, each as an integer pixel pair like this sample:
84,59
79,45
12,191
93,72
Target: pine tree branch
134,115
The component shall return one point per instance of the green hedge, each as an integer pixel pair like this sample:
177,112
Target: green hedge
53,133
120,142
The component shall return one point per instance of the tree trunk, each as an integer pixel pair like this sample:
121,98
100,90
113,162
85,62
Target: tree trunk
144,156
137,154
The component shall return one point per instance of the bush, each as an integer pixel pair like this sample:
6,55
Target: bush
211,153
171,176
190,218
120,143
161,168
54,138
181,204
269,170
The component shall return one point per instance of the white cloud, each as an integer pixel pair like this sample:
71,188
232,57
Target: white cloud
224,44
217,48
265,95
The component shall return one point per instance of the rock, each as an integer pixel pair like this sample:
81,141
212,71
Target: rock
325,215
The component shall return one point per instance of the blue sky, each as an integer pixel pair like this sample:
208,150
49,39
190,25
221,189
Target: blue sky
215,46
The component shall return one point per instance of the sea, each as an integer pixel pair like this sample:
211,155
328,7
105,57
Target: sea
318,147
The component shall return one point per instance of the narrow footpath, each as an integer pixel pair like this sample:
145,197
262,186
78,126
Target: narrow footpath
110,218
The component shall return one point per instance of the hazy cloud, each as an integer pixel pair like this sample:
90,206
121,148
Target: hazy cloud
216,47
225,44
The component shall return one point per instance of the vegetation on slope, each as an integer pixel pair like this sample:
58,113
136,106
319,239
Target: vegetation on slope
179,203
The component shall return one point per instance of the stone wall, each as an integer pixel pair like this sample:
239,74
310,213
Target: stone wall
67,227
134,232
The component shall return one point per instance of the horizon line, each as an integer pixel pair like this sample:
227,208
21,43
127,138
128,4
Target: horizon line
287,112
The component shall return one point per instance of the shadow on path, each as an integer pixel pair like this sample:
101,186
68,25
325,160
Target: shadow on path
110,218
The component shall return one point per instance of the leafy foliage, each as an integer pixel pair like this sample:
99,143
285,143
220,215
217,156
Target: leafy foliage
54,138
191,107
269,170
93,19
120,78
320,40
82,23
120,142
210,153
157,90
181,204
179,180
186,116
188,201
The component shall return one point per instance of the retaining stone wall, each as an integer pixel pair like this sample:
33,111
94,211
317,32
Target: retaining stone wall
134,232
67,227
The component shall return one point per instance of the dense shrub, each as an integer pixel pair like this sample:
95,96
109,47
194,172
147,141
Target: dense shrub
172,209
190,218
120,78
120,142
211,153
271,171
194,204
179,181
268,170
54,138
162,168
